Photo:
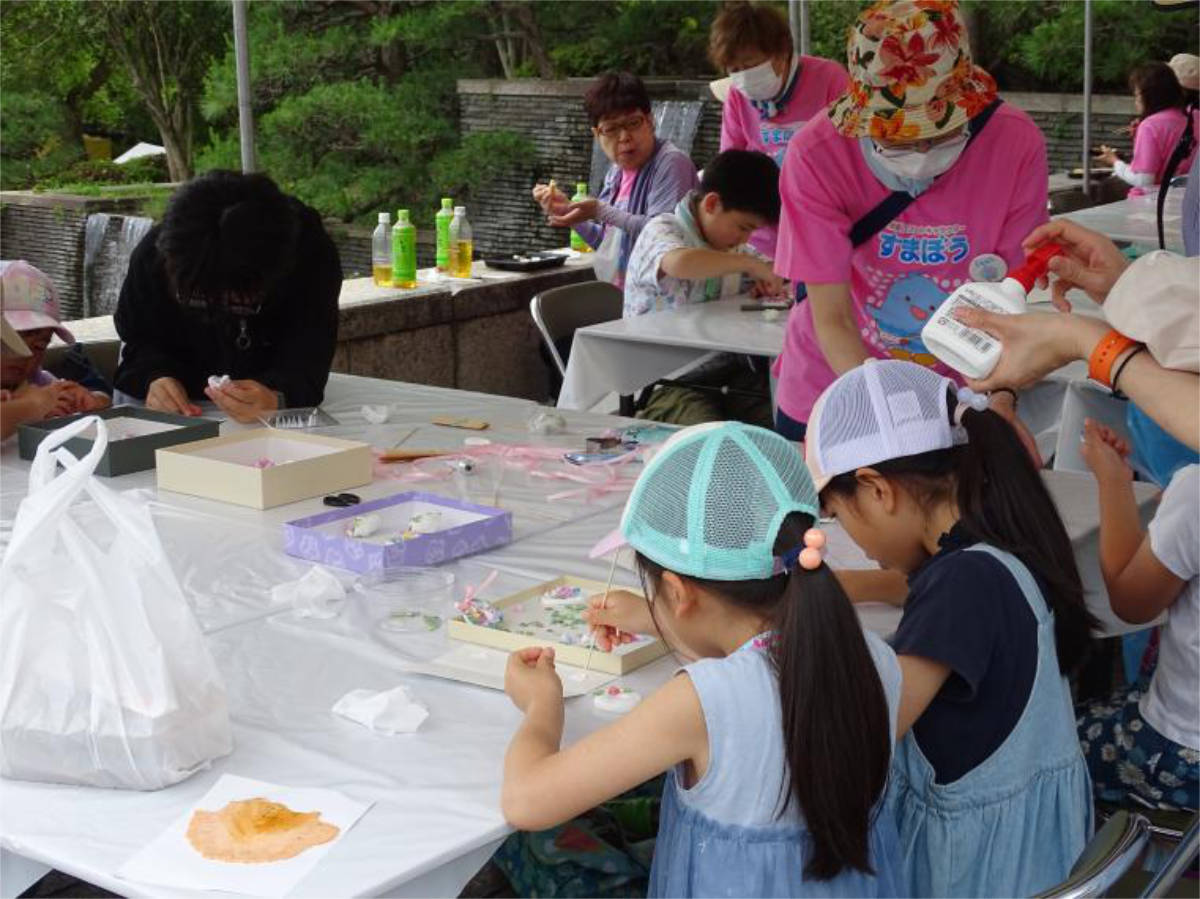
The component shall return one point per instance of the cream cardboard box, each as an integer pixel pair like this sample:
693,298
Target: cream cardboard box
264,468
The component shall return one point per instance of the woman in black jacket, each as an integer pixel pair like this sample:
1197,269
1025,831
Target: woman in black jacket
238,280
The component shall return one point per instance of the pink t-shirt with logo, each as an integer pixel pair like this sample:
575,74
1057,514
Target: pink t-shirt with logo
987,203
821,82
1154,141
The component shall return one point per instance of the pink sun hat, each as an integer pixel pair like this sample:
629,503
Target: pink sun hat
29,300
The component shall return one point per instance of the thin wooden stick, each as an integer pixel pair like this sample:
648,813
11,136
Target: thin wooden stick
612,570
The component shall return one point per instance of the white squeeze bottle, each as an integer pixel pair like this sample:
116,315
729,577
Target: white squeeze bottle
969,350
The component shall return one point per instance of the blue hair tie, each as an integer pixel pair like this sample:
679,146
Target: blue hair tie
788,560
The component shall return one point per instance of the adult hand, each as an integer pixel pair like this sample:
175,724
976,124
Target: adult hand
617,617
244,401
552,200
1034,344
1105,452
1091,261
168,395
47,401
1107,155
530,678
1005,406
574,213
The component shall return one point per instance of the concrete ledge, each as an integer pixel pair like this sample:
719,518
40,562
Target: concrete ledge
658,88
1102,104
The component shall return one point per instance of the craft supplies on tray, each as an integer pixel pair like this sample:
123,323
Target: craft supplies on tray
402,530
532,261
543,616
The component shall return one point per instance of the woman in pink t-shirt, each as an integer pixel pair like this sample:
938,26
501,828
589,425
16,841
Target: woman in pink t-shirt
905,125
774,92
1158,101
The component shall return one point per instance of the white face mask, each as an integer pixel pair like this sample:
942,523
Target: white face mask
758,83
918,166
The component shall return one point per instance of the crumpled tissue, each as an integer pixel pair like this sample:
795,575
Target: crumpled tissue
318,594
389,712
376,415
547,422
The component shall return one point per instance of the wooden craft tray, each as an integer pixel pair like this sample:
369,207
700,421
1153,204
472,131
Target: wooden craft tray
626,658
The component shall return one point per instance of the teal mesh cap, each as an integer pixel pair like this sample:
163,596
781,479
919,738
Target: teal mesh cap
711,501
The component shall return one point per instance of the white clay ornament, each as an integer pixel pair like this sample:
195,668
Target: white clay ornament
422,523
363,525
218,382
614,700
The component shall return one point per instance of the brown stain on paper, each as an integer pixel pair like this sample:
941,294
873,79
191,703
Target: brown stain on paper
257,830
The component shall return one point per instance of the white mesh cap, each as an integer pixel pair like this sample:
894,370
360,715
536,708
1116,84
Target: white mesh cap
711,501
884,409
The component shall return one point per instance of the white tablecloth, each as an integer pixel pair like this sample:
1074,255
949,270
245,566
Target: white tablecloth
1134,219
435,818
627,354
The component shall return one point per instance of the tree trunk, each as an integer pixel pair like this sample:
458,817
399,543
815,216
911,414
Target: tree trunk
528,26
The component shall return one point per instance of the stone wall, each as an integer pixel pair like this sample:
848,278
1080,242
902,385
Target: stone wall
47,230
550,114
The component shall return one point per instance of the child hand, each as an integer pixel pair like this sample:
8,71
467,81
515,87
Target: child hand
84,400
616,618
48,401
530,678
1105,452
244,401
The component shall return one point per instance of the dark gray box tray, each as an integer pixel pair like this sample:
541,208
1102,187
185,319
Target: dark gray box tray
122,456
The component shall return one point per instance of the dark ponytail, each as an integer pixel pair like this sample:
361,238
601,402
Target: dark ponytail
1001,500
836,726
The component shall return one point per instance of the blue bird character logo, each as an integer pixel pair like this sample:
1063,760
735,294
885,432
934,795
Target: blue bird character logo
910,302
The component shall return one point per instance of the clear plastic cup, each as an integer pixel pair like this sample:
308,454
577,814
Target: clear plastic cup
406,600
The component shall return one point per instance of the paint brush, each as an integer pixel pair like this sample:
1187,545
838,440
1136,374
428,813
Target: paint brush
612,570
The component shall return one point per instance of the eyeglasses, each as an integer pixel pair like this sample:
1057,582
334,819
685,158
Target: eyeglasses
632,125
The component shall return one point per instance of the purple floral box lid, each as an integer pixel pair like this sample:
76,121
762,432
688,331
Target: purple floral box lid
305,539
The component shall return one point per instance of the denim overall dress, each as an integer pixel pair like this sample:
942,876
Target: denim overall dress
724,836
1016,823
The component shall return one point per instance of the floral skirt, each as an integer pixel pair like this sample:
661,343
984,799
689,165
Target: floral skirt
1125,755
604,852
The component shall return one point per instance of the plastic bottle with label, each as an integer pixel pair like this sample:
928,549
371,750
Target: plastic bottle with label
969,350
381,251
461,244
404,251
441,222
578,244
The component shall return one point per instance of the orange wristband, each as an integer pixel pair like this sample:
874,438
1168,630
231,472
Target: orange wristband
1105,353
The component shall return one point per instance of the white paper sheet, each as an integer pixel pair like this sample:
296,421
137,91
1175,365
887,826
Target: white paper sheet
170,860
484,667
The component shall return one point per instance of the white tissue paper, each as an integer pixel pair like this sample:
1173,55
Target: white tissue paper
318,594
389,712
376,415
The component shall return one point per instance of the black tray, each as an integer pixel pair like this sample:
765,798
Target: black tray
526,262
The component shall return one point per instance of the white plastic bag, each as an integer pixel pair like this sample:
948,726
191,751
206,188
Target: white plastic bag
105,678
606,261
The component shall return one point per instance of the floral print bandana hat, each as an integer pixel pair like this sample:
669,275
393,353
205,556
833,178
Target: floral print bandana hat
911,74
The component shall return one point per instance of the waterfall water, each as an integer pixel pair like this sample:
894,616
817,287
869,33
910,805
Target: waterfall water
106,259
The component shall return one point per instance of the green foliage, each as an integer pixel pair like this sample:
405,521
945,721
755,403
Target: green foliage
147,170
1039,45
354,106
